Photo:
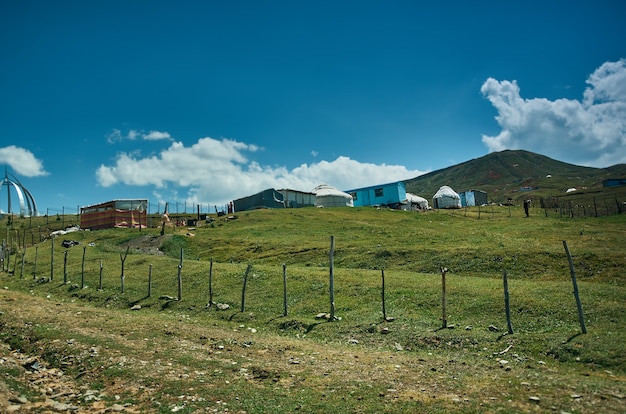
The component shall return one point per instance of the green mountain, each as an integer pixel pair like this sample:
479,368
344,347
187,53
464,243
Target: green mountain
516,174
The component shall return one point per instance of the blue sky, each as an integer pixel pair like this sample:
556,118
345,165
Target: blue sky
208,101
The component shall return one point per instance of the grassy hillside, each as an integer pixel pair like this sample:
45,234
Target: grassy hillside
173,355
502,174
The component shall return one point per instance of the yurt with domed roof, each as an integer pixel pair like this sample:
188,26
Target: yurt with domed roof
327,196
446,197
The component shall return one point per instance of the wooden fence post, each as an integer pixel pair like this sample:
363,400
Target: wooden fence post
284,289
210,282
150,281
65,267
22,268
100,284
52,261
382,293
332,277
123,259
444,317
82,269
506,302
581,317
16,255
35,264
180,276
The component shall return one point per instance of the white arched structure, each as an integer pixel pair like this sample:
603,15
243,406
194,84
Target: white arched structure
28,207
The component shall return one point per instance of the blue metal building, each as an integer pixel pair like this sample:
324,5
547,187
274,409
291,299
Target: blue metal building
473,198
391,195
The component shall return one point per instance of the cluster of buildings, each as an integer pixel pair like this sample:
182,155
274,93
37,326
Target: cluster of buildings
133,212
392,195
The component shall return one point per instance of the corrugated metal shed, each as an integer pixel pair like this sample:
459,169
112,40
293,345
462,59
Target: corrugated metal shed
392,195
296,199
271,198
473,198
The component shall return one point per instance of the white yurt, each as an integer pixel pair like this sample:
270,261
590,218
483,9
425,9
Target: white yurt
446,197
327,196
415,202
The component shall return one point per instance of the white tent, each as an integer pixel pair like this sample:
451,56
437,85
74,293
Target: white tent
327,196
416,202
446,197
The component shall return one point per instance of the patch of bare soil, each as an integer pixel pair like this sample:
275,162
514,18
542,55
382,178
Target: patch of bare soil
69,357
54,372
147,244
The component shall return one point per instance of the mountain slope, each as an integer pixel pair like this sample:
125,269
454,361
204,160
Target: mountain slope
503,174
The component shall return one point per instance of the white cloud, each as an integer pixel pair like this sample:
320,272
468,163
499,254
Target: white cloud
132,134
588,132
157,135
116,135
22,161
218,171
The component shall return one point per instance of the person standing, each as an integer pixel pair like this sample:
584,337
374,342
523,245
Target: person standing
526,206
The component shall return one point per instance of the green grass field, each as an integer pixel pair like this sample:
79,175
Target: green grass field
186,356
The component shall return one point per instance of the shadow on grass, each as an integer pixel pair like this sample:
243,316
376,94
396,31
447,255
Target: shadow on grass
168,303
571,338
136,302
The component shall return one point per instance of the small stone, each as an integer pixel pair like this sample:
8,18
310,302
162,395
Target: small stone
451,326
223,306
19,400
493,328
534,399
59,406
468,327
136,307
384,330
576,396
116,408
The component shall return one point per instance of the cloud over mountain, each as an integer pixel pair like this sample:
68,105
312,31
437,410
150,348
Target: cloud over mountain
590,131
